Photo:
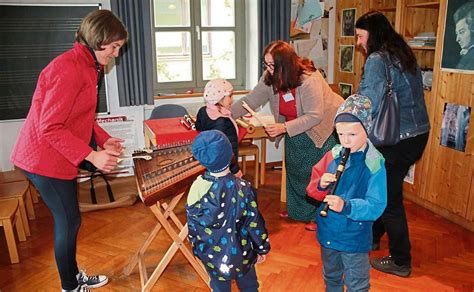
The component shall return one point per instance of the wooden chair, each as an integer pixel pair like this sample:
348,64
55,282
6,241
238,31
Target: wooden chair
9,216
18,175
247,148
17,191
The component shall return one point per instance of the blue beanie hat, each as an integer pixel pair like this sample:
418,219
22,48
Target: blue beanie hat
356,108
213,150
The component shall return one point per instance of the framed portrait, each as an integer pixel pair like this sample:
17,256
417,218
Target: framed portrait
348,22
454,126
346,58
458,44
345,89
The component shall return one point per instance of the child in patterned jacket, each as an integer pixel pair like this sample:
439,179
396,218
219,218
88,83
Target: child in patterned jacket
226,229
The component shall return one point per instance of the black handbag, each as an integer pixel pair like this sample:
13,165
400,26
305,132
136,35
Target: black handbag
386,125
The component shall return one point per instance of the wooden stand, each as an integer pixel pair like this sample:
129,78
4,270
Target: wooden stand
163,212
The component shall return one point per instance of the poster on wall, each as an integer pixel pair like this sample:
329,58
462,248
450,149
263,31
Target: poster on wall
348,22
458,44
345,89
455,125
346,62
313,39
122,127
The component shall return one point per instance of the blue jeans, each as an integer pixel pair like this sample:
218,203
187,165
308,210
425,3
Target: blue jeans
248,283
60,196
351,269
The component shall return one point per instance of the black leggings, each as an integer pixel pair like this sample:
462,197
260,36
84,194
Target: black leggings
398,159
61,198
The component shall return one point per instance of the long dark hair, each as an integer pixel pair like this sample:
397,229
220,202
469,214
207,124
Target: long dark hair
288,66
382,36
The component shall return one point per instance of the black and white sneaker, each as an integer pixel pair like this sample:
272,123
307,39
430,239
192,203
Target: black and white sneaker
80,288
95,281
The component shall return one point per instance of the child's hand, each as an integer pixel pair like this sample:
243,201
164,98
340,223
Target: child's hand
327,179
335,203
261,258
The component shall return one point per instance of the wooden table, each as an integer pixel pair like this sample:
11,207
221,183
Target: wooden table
258,134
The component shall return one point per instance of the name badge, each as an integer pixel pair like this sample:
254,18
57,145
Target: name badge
288,97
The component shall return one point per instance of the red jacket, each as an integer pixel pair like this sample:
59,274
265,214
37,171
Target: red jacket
56,134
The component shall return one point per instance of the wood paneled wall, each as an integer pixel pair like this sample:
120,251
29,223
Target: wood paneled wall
345,77
444,180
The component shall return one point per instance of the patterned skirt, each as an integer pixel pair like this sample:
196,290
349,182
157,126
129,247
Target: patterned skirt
300,156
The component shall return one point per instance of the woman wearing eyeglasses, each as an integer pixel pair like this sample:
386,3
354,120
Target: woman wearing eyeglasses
304,107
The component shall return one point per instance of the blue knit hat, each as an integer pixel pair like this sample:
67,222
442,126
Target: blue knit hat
356,108
213,150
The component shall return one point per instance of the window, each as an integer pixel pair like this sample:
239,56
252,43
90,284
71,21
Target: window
198,40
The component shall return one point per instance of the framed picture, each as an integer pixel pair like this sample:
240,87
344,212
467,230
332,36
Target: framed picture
345,89
458,45
410,177
348,22
455,125
346,58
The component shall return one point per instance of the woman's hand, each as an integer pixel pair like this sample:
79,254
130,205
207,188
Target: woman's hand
334,202
114,144
104,160
275,129
326,179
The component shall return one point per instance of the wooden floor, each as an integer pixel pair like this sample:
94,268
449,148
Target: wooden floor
443,253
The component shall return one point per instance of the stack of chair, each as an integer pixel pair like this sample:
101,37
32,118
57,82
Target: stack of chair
16,207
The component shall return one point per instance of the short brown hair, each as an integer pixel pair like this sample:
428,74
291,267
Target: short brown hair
100,27
288,66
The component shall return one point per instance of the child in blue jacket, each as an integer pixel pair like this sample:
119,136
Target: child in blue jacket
226,230
360,197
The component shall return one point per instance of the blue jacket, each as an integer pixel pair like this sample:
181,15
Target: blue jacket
408,87
226,229
363,187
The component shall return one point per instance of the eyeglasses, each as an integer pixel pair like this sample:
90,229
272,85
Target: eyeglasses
268,65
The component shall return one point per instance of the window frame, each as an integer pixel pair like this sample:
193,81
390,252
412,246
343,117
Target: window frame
198,83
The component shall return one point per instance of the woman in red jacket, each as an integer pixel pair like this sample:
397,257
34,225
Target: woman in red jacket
56,134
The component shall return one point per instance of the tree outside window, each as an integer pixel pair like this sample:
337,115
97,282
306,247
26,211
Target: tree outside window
198,40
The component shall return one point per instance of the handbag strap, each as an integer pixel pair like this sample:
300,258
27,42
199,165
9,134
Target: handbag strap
387,63
110,193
